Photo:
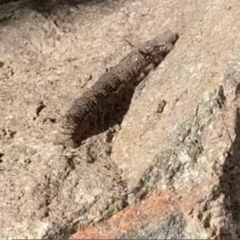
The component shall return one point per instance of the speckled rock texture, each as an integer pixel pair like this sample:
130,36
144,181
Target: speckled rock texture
169,168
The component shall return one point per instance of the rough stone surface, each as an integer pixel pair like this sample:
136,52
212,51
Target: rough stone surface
169,169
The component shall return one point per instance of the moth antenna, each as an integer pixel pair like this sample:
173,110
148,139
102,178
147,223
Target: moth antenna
129,43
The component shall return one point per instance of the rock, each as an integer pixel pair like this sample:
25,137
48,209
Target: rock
169,169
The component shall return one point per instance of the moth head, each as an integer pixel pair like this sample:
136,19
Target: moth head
157,52
169,37
162,44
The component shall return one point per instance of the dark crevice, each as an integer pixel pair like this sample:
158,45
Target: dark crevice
230,186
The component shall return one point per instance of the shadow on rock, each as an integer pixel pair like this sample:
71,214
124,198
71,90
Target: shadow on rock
230,184
48,6
104,117
8,8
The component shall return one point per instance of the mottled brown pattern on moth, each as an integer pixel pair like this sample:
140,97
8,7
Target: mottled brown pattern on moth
127,73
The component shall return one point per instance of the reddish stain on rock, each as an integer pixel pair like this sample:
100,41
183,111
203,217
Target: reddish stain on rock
153,208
